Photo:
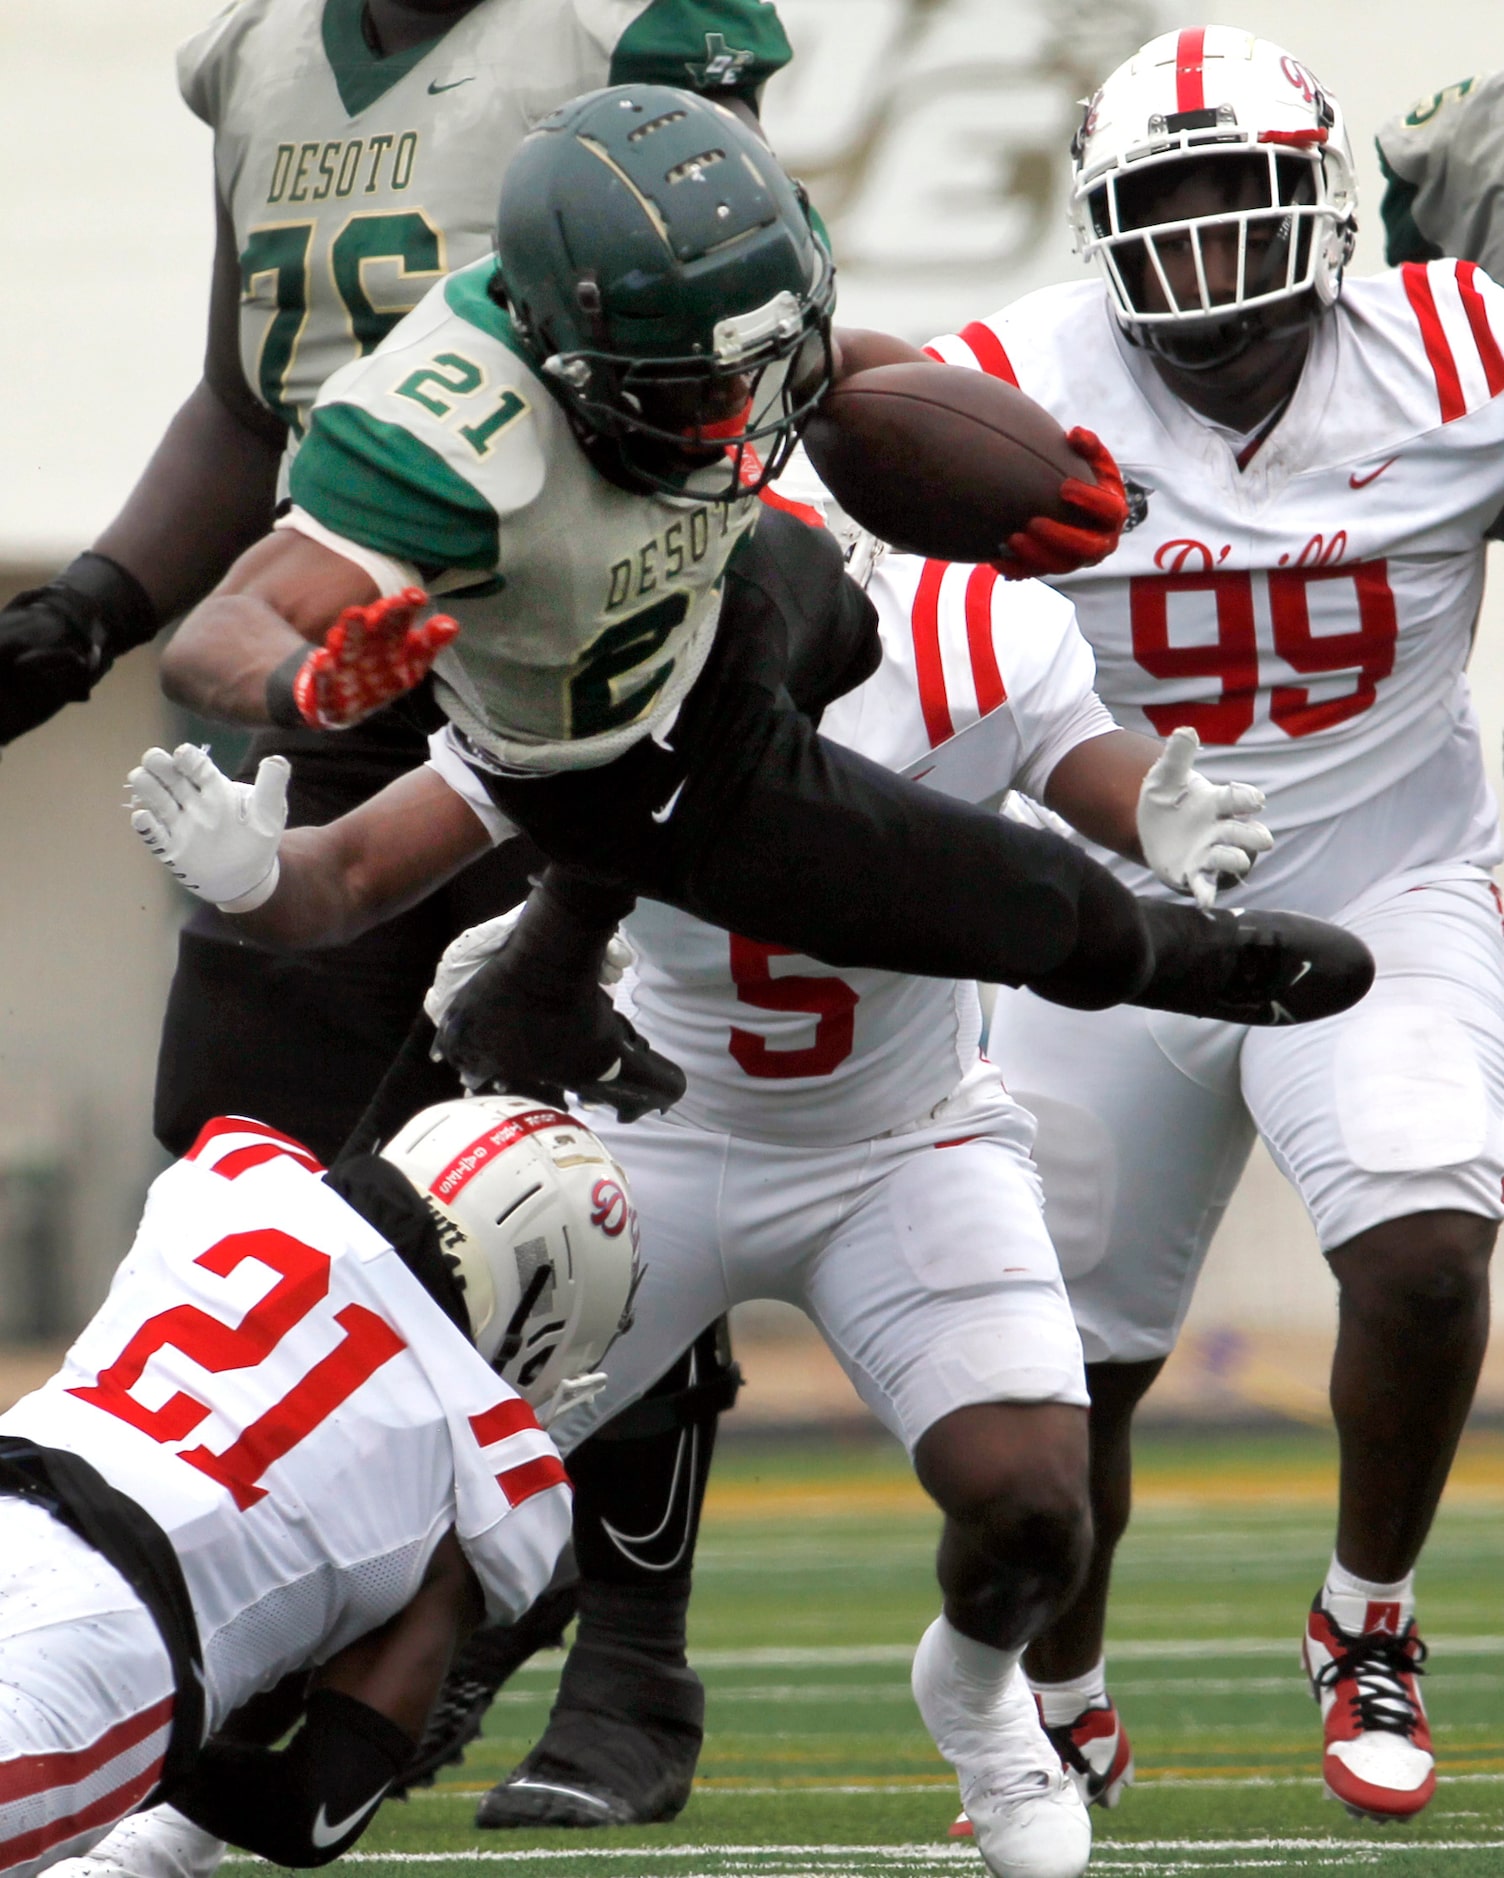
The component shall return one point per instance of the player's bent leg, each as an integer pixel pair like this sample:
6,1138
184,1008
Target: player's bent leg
940,1294
1066,1663
625,1731
1142,1137
1390,1120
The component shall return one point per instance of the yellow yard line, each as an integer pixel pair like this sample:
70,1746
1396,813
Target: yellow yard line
1477,1479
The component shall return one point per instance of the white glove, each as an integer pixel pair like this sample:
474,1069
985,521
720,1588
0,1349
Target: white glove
463,957
1193,830
219,838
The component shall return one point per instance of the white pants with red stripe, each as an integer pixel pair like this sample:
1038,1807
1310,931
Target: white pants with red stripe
86,1693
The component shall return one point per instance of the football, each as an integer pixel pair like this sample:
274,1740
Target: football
940,461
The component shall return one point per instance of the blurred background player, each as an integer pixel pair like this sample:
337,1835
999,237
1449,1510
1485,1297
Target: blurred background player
359,150
1443,167
1313,467
276,1328
805,1160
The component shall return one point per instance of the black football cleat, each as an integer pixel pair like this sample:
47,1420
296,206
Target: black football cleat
620,1748
1252,967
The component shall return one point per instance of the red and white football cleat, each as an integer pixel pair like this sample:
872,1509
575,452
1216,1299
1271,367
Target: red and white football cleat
1094,1751
1377,1760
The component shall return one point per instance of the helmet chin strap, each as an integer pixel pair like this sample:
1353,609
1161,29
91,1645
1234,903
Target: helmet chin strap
1243,332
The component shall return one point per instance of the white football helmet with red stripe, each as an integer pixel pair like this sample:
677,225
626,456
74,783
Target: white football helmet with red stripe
1213,94
540,1219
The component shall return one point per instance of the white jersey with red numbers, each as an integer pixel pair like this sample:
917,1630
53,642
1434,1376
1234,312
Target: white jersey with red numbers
982,685
1309,613
269,1381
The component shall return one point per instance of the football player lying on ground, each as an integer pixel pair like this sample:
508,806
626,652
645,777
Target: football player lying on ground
840,1102
1316,463
618,412
278,1338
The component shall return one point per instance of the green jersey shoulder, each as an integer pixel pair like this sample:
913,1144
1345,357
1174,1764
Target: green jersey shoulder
586,610
1443,165
355,182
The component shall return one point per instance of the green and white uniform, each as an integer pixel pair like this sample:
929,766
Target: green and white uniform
443,460
356,182
1443,164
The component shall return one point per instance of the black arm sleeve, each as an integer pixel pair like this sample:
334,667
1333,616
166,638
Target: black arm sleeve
309,1802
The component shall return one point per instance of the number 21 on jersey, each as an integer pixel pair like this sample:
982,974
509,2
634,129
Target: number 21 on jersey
301,1401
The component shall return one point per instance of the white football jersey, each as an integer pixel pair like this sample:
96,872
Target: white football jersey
270,1382
983,684
1309,614
356,181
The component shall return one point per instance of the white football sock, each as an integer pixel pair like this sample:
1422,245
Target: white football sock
1359,1604
1062,1702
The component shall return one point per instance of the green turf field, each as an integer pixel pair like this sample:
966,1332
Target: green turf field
814,1580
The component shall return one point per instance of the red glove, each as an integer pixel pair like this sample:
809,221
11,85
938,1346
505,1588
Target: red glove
1049,547
370,655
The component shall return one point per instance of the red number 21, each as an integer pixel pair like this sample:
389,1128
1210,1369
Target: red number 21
368,1342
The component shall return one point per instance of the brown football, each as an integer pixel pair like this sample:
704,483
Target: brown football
938,460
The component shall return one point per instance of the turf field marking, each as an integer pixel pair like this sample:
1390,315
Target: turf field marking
1138,1650
1126,1855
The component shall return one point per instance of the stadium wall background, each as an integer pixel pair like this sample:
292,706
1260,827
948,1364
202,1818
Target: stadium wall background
932,134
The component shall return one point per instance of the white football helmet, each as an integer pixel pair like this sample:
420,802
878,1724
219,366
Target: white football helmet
541,1221
1212,93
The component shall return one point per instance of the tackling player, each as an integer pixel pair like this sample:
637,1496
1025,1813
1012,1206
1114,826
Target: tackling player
840,1141
1313,464
280,1337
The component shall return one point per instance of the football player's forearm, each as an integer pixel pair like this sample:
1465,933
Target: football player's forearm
339,880
204,497
1096,788
220,658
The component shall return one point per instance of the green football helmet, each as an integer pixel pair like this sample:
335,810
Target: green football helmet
662,270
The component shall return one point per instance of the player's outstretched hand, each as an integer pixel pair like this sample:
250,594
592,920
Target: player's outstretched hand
1197,834
219,838
370,655
502,1021
1048,546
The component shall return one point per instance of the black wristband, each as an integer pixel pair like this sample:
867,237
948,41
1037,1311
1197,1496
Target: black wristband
122,605
281,706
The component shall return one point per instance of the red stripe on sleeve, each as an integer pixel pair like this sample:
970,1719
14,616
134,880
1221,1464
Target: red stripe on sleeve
34,1773
240,1160
1477,319
1438,352
532,1477
507,1418
806,512
990,355
928,669
931,353
222,1125
1190,72
991,691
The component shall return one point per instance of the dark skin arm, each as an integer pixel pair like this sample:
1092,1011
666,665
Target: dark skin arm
287,590
1095,787
208,491
339,880
399,1669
